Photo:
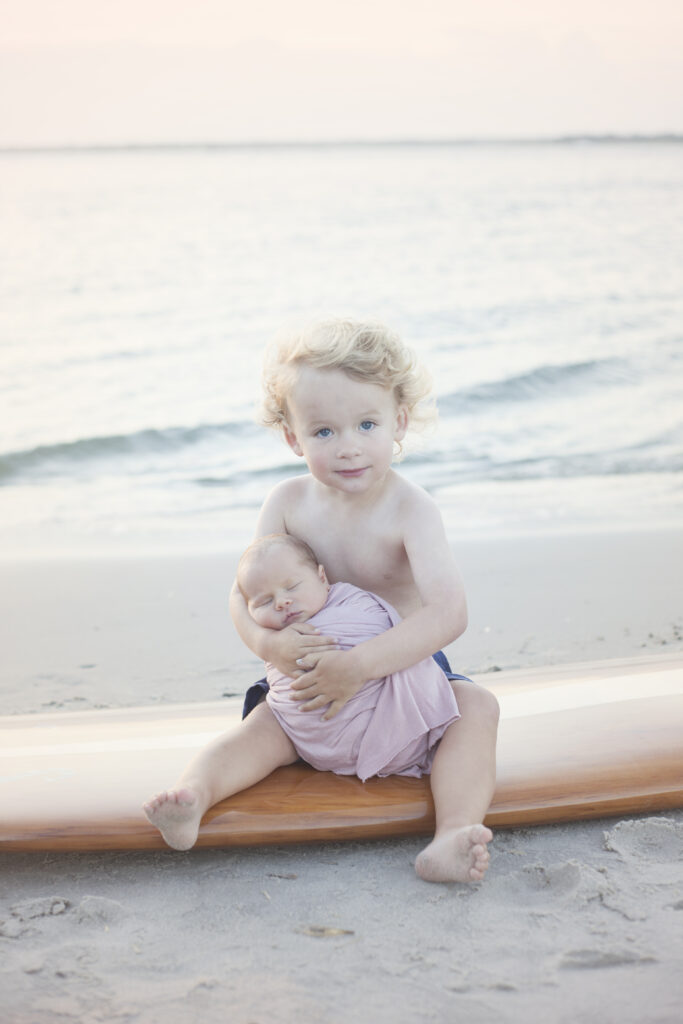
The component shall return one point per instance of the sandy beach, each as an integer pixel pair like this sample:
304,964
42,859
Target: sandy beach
575,922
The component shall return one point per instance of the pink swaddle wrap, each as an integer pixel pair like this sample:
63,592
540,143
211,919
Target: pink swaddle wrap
392,725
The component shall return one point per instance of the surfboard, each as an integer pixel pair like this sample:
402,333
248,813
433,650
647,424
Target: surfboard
578,742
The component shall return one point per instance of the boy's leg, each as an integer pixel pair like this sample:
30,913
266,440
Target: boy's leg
463,780
230,763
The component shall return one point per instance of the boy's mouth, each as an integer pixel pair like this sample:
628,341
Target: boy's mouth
351,472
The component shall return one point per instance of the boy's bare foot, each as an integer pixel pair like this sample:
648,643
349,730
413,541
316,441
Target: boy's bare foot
456,855
176,814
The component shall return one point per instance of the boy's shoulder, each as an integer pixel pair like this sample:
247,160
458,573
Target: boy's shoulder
410,495
415,509
290,489
284,496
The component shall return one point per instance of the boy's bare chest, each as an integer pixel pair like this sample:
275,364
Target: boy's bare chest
367,553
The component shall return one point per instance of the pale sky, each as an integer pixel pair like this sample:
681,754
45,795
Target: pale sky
135,71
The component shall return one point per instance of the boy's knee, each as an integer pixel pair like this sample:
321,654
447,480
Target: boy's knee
476,700
491,707
487,707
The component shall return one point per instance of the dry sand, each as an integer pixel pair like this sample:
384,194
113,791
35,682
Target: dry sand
577,922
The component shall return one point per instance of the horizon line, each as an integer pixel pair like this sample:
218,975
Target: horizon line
345,143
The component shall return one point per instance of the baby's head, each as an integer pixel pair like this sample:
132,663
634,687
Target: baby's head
364,350
281,581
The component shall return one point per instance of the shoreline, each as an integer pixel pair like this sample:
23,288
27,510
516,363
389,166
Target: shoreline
123,631
239,145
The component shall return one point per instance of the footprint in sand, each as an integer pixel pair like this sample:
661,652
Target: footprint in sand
27,912
656,840
43,906
596,959
99,910
536,884
560,879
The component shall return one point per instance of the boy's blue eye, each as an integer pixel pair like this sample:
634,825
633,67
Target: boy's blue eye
367,425
323,432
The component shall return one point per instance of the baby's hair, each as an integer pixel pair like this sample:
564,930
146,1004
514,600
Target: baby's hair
263,544
363,349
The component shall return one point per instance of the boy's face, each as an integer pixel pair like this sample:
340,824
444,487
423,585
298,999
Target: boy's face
281,588
344,428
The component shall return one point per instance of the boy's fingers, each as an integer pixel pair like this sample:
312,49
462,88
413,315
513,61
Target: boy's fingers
313,635
318,702
312,652
304,629
308,662
302,684
316,642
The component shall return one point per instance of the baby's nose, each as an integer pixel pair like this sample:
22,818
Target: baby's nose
282,600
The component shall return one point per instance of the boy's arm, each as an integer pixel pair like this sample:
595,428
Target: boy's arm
440,620
283,647
442,617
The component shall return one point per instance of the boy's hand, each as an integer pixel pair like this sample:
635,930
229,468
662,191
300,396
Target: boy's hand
295,643
332,678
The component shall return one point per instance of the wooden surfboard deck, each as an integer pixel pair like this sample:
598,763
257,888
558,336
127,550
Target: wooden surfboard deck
577,742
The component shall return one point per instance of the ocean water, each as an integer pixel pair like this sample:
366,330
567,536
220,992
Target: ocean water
542,284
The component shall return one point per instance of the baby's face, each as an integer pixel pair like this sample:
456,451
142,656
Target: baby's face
281,588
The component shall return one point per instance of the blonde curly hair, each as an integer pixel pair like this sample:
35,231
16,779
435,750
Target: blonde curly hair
363,349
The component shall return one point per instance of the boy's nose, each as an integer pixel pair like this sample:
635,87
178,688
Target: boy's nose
282,600
348,446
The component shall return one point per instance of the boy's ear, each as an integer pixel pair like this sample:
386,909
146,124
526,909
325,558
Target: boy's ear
322,574
401,423
290,438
